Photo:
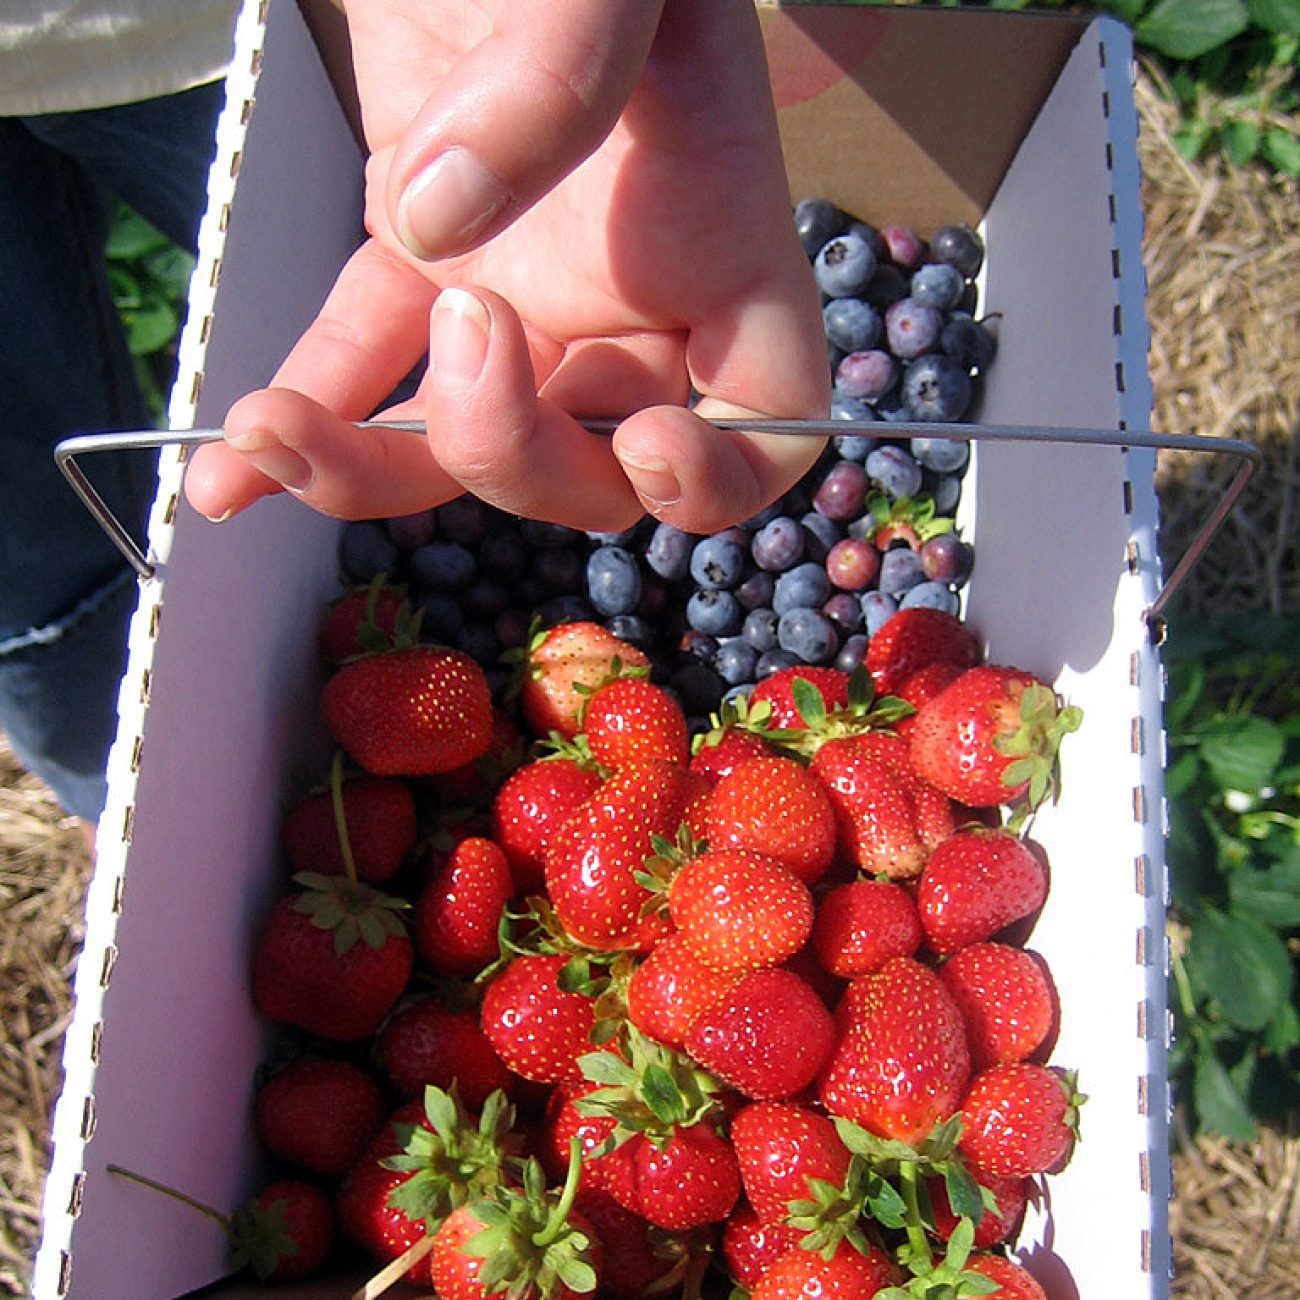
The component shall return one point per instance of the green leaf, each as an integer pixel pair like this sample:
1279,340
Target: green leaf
1242,964
1282,150
1181,773
131,237
1280,16
171,268
1241,141
1283,1031
1128,11
1186,29
1271,895
1219,1105
151,328
1242,753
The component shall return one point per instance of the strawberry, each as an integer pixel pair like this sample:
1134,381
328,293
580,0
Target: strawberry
475,783
738,910
537,1028
860,925
691,1180
414,710
593,863
636,1259
331,959
669,989
975,884
767,1037
780,693
913,638
918,688
458,915
802,1274
779,1147
774,806
901,1063
1006,998
1020,1119
531,805
630,720
377,816
751,1246
563,1123
714,756
360,621
429,1042
318,1114
559,660
992,736
1014,1282
1010,1195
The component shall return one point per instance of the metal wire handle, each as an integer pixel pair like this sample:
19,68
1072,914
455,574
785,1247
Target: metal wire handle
1245,453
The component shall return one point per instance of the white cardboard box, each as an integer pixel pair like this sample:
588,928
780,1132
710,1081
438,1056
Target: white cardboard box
1026,123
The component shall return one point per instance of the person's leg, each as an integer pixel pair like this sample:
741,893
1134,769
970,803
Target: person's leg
66,594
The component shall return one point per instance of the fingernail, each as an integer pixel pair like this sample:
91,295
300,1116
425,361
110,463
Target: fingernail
652,477
270,456
458,335
447,204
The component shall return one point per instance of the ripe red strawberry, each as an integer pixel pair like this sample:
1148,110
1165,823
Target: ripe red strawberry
1020,1119
630,720
767,1037
922,686
1006,998
537,1028
319,1114
778,692
750,1246
1010,1194
532,804
1014,1281
412,711
992,736
285,1233
378,818
774,806
669,989
690,1180
563,1122
913,638
901,1063
593,861
802,1274
331,959
636,1261
779,1147
875,816
458,915
715,754
738,910
975,884
360,620
862,924
429,1042
475,784
557,660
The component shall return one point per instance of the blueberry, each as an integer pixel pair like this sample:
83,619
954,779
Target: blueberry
756,591
852,653
773,661
866,375
736,661
936,388
900,569
886,286
944,490
697,688
852,564
939,285
855,447
365,551
959,246
778,545
890,408
820,535
816,221
412,531
764,516
809,635
567,607
845,611
843,491
968,342
539,533
613,581
877,610
851,324
714,611
871,235
912,328
479,641
718,561
503,554
698,645
441,617
633,629
559,569
655,596
485,598
895,470
843,265
806,586
443,566
946,558
943,455
903,245
511,626
759,629
930,595
464,519
668,552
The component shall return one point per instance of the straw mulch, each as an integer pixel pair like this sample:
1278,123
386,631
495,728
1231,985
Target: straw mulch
1223,253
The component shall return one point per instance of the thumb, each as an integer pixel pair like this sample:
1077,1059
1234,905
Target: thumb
516,113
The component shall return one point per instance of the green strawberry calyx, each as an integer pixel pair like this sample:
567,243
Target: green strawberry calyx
865,711
947,1278
351,910
913,520
1033,747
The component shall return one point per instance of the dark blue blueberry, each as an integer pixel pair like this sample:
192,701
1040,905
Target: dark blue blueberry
778,545
756,591
843,492
654,596
822,533
816,221
806,586
843,265
759,629
568,607
503,554
464,519
773,661
936,388
886,286
697,686
736,661
613,581
623,539
845,407
890,408
852,653
851,324
844,609
900,570
809,635
912,328
633,629
895,470
365,551
714,611
944,490
967,341
877,610
766,515
938,285
668,552
412,531
737,693
540,534
485,598
834,355
871,235
867,375
718,561
855,446
479,641
441,618
511,626
959,246
443,566
698,645
930,595
943,455
559,569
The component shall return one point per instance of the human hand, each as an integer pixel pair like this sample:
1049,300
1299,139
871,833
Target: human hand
608,229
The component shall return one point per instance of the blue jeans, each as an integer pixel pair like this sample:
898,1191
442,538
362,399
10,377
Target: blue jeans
66,595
